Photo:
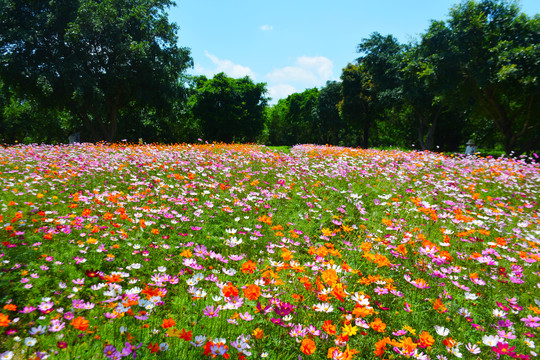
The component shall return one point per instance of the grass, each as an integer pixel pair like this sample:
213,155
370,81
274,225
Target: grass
237,251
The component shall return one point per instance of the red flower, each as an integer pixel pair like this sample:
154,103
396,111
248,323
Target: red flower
187,336
154,348
91,273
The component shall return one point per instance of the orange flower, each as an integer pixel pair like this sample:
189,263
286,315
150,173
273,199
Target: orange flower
113,279
348,353
252,292
286,254
439,306
150,292
329,328
339,293
80,323
168,323
322,251
408,345
378,325
380,346
330,277
426,340
4,320
362,311
248,267
186,253
258,333
154,231
11,307
230,290
308,346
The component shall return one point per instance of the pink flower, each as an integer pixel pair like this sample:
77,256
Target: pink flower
531,321
211,312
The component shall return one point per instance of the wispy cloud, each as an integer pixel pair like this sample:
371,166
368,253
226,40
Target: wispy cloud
267,27
280,91
306,72
225,66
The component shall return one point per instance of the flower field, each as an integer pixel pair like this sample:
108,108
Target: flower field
243,252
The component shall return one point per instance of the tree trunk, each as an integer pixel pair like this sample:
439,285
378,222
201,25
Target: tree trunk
365,140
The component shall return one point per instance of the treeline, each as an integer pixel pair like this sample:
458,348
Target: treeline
112,70
475,76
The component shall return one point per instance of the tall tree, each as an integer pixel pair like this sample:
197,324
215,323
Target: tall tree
92,57
302,117
358,106
229,109
426,81
328,111
497,49
377,83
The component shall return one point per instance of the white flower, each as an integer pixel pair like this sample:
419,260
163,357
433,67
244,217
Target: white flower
30,341
441,330
491,340
529,343
8,355
455,351
473,348
469,296
323,307
360,299
162,269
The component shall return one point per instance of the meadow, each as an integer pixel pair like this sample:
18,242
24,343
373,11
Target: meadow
210,251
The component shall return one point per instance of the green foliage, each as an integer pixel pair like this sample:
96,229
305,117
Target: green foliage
93,58
359,97
23,121
228,109
497,51
311,116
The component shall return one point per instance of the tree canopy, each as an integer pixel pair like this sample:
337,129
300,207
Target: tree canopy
93,58
228,109
113,68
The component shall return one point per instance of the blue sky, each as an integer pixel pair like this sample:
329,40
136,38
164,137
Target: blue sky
296,44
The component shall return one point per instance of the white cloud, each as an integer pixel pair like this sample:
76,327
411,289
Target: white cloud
320,64
306,72
293,74
226,66
266,27
280,91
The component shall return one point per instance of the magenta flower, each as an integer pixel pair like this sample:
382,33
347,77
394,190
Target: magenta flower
111,352
504,349
531,321
211,312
